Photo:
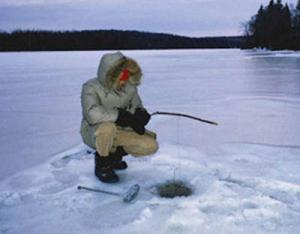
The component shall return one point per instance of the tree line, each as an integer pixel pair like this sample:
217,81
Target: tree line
40,40
275,26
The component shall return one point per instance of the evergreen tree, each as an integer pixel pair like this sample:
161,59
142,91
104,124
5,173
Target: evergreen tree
255,29
269,25
260,27
274,27
297,26
286,29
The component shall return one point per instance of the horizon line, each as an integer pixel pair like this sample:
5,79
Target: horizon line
132,30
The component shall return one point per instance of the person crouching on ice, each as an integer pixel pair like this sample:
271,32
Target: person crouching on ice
114,117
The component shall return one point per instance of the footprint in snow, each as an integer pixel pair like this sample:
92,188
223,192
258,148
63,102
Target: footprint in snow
63,161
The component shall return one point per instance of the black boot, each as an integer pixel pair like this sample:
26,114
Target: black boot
116,159
104,170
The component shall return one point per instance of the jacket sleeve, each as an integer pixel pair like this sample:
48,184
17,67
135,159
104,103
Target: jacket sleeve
136,101
92,109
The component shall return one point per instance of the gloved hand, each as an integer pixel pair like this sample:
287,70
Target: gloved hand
142,115
126,119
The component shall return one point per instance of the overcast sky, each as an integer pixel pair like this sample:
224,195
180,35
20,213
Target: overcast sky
183,17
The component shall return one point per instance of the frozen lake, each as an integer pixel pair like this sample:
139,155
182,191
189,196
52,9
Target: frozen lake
255,97
244,173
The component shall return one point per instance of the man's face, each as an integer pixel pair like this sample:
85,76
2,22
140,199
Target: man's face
122,79
120,84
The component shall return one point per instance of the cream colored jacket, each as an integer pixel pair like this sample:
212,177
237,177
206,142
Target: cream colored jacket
100,101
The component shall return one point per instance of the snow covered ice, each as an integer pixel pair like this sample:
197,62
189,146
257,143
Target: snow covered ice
244,173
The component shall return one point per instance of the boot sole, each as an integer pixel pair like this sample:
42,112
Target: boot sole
109,180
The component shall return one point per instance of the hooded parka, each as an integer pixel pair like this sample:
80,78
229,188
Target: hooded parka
99,98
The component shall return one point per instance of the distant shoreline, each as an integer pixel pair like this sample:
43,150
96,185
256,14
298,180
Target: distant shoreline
88,40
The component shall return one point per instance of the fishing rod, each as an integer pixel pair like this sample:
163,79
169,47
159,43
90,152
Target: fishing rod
184,115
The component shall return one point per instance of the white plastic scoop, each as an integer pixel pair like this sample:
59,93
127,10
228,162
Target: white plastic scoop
130,194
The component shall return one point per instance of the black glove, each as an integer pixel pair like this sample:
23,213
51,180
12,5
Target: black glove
126,119
142,115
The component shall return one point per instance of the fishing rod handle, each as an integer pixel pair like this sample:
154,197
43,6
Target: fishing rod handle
97,190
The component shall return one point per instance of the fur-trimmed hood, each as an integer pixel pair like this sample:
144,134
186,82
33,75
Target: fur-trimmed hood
112,64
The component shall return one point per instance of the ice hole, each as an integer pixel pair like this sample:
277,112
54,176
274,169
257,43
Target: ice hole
174,188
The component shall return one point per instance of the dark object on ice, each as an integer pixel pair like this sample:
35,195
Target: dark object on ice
104,170
105,166
116,159
174,188
127,197
119,165
184,115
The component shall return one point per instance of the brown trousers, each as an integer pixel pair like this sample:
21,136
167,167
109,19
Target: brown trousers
109,136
